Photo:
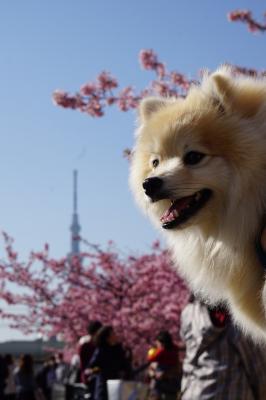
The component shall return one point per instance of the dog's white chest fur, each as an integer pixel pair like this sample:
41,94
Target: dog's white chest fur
201,262
220,275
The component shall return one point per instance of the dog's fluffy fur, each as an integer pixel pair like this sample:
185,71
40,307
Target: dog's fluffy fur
224,118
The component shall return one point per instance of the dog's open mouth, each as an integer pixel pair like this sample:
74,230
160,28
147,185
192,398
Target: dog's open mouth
183,209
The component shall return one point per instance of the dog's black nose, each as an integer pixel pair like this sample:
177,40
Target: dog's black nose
152,187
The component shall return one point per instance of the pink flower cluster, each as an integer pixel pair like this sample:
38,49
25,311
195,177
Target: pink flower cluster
65,100
149,61
94,97
248,71
246,17
138,294
167,83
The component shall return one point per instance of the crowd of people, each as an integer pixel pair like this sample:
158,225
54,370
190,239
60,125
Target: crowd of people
101,357
24,380
219,364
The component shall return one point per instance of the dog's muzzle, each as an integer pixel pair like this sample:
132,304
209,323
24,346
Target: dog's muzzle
153,188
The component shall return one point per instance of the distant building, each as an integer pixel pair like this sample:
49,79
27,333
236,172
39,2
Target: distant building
38,348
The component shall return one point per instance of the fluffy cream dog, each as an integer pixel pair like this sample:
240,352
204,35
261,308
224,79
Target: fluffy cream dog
199,171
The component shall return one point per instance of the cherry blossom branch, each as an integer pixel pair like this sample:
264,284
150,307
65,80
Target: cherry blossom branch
94,97
138,295
245,16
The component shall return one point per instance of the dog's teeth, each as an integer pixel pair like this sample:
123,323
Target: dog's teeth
175,213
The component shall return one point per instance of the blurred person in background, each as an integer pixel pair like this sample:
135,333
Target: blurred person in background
164,369
61,369
109,361
3,376
24,379
10,387
46,377
87,347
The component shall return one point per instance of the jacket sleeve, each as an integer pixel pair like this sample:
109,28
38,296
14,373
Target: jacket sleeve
96,359
253,358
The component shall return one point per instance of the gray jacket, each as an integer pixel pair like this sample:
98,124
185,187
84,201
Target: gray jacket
220,363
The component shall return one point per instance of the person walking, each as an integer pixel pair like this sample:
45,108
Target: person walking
164,370
24,379
46,377
108,361
87,347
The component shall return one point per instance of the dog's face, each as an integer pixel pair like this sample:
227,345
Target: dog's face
194,158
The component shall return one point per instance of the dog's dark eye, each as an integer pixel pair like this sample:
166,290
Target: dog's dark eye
193,157
155,163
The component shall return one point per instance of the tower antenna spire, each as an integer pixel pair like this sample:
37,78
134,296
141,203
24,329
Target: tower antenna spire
75,227
75,191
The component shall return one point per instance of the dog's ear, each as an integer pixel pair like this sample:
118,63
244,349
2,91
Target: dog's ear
223,85
221,97
243,96
150,105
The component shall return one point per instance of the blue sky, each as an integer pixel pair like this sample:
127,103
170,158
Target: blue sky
50,44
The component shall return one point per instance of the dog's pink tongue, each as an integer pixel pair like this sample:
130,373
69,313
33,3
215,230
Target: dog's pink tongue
167,216
173,212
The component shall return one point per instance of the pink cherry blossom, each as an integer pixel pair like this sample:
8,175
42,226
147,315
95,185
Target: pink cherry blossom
246,17
138,294
94,97
148,59
126,99
65,100
106,81
88,89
